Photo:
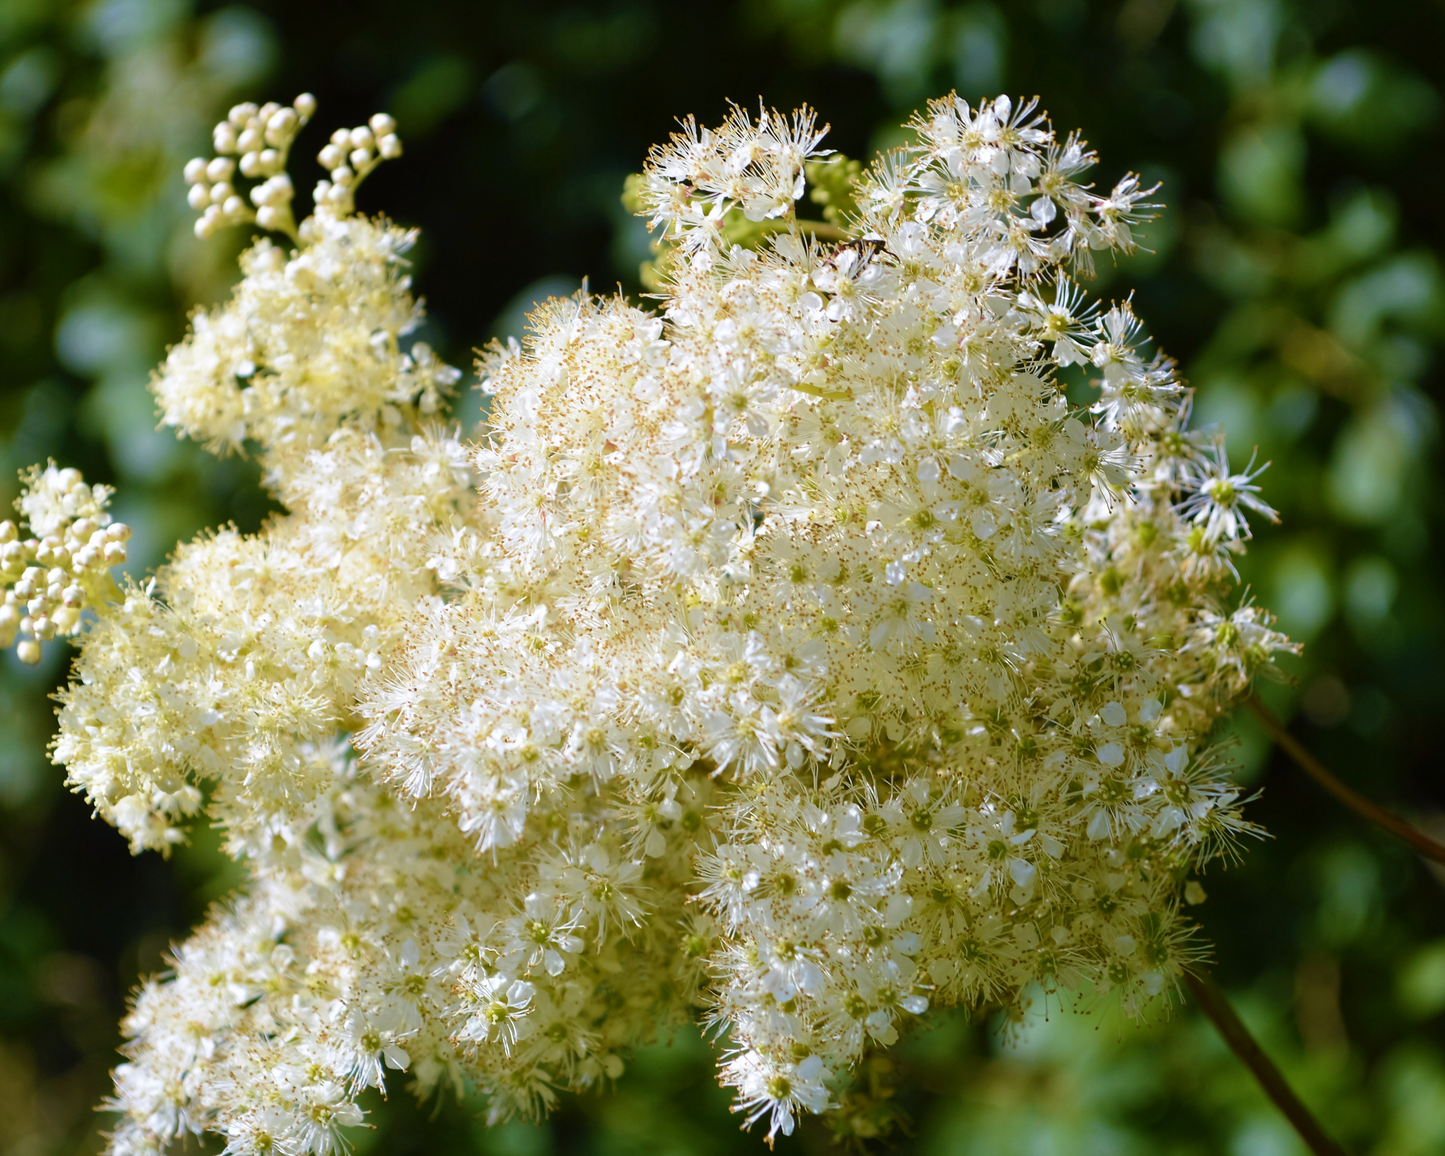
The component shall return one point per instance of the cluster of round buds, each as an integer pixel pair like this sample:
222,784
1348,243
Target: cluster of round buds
350,155
260,139
48,581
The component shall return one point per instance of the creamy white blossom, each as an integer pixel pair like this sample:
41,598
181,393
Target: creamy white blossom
793,656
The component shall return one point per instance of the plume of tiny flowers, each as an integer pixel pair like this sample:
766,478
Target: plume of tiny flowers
793,656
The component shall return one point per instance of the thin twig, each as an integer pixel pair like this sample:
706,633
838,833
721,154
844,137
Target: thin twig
1213,1003
1356,802
823,230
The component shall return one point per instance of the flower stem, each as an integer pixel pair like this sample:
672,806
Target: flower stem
1213,1003
1397,826
822,230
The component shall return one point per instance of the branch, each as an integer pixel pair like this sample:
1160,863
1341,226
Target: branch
1212,1003
1397,826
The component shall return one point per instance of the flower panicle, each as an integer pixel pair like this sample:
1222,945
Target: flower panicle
796,651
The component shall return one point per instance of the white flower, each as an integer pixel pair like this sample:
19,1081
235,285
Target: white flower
1219,498
501,1006
776,1090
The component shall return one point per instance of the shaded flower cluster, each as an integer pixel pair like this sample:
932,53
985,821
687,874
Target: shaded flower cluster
794,656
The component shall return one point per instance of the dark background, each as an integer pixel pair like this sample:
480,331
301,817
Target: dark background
1295,275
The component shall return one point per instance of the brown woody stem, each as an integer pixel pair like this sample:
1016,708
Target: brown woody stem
1213,1003
1356,802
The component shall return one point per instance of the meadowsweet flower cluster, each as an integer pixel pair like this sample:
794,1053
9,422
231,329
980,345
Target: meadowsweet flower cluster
51,578
794,655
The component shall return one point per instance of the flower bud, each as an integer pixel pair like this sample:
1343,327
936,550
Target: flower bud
280,126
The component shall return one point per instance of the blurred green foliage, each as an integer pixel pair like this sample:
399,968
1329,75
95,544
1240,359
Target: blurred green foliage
1296,275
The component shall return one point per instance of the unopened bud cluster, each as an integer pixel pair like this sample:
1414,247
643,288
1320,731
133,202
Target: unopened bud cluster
51,578
795,658
258,142
351,155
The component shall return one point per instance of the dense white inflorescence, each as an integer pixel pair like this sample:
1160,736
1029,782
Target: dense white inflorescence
794,655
